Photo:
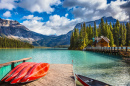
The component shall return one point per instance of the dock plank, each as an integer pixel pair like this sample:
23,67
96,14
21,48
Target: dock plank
58,75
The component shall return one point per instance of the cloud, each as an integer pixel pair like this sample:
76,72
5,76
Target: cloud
55,25
31,17
39,5
126,7
7,4
32,6
66,15
89,10
7,14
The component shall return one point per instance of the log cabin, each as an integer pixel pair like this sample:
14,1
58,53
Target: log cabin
101,42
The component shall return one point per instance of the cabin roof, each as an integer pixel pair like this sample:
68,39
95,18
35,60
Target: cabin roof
97,39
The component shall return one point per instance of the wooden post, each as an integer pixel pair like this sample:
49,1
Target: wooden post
109,49
12,65
121,48
126,49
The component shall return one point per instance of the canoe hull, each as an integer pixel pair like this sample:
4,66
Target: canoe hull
81,81
12,71
36,72
14,74
22,73
90,82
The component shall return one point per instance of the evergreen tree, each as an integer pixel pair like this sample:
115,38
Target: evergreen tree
95,30
111,28
11,43
128,34
81,40
106,29
72,41
76,35
116,35
110,36
90,33
102,26
122,35
117,24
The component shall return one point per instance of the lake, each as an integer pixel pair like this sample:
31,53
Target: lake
103,67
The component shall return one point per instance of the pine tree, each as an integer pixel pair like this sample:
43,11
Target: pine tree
128,34
106,29
117,23
111,28
76,35
122,35
72,41
102,27
90,33
116,35
81,40
95,30
111,38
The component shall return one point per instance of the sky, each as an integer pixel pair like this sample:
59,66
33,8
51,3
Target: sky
57,17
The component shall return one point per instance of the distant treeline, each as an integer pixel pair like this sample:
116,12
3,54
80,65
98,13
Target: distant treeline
62,46
119,34
11,43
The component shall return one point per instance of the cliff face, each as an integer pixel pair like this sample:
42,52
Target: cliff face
13,29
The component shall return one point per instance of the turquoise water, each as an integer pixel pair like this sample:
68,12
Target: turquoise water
103,67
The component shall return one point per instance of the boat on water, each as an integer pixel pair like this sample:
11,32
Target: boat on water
90,82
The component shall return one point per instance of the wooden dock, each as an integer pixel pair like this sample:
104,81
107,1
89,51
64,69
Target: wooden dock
123,51
58,75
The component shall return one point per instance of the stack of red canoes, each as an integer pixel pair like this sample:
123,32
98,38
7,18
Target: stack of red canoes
26,72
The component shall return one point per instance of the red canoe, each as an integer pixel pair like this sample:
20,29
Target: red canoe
12,71
90,82
17,71
39,70
22,73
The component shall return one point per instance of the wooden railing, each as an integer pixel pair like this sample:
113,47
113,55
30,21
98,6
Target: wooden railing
124,51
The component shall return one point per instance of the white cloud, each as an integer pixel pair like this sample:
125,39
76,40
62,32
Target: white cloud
7,14
39,5
7,4
31,17
66,15
55,25
94,9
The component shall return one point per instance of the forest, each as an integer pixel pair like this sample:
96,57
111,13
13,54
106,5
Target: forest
118,34
11,43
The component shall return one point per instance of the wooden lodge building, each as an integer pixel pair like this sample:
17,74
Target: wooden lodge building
101,42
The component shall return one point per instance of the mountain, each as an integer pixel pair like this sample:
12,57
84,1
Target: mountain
55,41
109,19
13,29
